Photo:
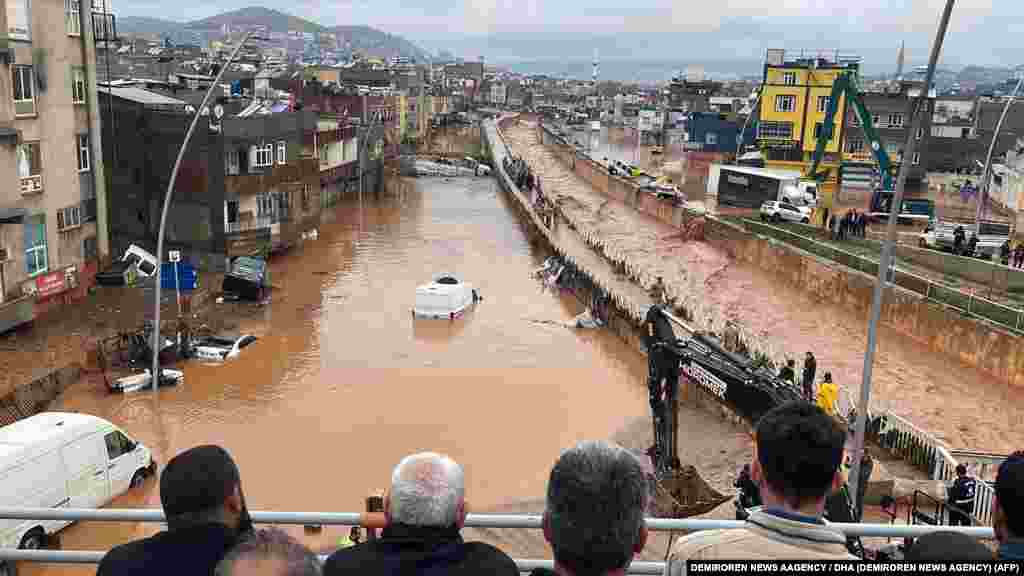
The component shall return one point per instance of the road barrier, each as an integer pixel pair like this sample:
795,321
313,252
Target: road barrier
968,303
532,521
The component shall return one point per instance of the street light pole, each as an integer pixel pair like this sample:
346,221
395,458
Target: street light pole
883,266
753,110
985,178
167,204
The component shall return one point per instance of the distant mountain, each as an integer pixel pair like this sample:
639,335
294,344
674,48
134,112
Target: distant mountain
144,25
378,43
364,38
274,20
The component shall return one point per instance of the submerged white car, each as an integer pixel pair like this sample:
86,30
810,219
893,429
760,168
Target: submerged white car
445,297
220,348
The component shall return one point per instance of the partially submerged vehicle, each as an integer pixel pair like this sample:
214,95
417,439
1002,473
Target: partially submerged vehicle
220,348
247,278
144,380
445,297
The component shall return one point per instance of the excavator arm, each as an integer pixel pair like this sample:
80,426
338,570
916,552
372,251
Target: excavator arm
845,84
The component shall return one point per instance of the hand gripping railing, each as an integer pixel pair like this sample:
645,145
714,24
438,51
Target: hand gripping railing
376,520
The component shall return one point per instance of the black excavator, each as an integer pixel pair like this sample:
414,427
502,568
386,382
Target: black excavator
748,391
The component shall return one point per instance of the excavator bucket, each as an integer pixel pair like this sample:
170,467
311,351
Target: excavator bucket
683,493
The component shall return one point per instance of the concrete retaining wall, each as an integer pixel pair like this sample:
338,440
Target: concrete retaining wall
943,329
621,322
35,397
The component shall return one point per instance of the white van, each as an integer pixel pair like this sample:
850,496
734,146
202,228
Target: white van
64,460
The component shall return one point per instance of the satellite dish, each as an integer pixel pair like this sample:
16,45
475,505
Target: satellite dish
206,111
190,109
218,111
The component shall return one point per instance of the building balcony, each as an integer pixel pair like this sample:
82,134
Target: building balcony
31,185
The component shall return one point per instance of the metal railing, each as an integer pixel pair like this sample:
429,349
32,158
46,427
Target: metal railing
533,521
968,303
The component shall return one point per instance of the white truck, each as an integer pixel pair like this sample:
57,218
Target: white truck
64,460
750,187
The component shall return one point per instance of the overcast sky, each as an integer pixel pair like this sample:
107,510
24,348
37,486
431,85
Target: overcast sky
982,32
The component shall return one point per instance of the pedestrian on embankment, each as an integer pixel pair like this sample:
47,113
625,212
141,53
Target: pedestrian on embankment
788,372
810,368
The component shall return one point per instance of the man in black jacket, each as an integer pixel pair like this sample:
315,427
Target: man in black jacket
810,368
206,514
961,497
594,514
425,510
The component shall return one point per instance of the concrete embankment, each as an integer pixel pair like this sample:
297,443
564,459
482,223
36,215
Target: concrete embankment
945,330
784,301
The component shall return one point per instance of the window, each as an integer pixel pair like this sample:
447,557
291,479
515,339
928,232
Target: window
819,127
262,156
917,159
89,248
875,120
70,217
789,78
24,100
35,245
307,193
775,130
72,17
29,163
83,152
231,163
895,120
77,86
264,205
282,157
785,103
854,145
823,103
892,149
920,133
118,445
711,138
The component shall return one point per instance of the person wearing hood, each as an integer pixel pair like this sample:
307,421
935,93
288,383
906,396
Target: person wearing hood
425,509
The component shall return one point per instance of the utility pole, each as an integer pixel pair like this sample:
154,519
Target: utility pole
985,177
167,204
883,266
95,127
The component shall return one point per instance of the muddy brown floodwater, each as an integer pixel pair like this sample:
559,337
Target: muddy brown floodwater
962,405
343,382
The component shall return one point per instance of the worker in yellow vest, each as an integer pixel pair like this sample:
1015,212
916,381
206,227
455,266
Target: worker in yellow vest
354,537
828,395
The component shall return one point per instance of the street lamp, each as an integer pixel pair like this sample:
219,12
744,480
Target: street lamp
167,205
985,178
886,259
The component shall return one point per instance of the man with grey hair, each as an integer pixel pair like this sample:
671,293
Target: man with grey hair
425,510
269,552
594,516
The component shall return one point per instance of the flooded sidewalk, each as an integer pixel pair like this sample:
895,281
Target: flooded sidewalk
959,404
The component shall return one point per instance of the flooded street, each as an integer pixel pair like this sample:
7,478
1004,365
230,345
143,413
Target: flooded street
343,382
952,400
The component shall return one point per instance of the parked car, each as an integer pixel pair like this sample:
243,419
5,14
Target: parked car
926,239
220,348
784,211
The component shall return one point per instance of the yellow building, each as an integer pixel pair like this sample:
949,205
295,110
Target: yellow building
794,97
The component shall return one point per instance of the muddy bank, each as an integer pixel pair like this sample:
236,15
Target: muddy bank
910,378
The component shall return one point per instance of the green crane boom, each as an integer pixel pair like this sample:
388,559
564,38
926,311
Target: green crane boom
846,84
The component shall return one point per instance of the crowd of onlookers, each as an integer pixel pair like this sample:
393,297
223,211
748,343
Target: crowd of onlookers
852,224
598,495
524,179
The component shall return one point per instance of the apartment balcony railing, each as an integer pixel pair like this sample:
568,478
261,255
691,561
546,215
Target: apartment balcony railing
104,27
247,225
31,184
376,521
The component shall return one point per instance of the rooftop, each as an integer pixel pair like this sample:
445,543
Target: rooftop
141,96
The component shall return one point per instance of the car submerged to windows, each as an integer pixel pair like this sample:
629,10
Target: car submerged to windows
220,348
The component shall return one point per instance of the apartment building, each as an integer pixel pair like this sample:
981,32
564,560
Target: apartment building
52,224
794,98
891,108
